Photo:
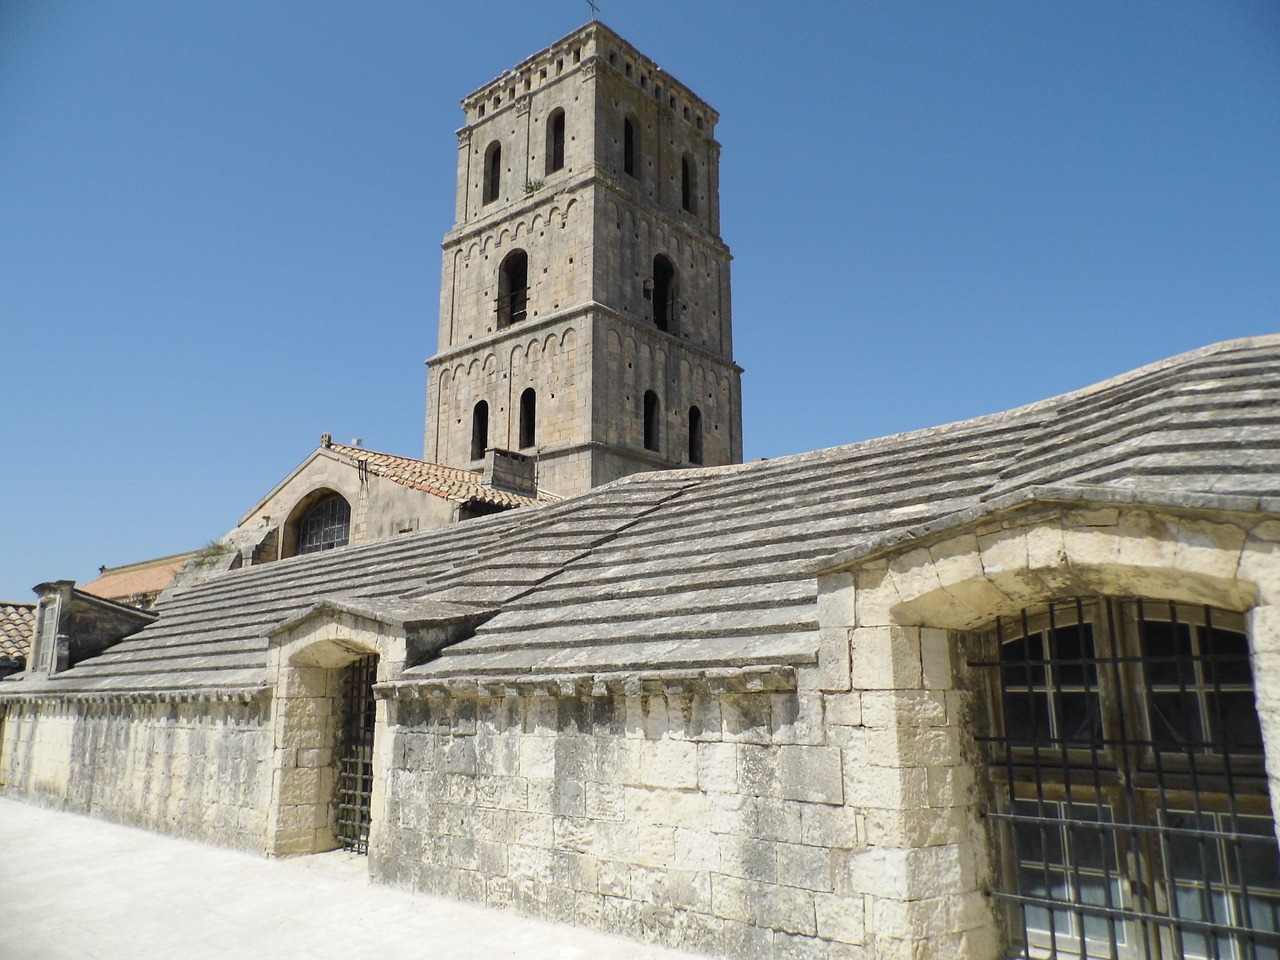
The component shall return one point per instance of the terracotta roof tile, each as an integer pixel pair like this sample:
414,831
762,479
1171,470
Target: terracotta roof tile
148,577
16,623
452,483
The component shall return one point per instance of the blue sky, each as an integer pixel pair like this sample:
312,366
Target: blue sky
220,224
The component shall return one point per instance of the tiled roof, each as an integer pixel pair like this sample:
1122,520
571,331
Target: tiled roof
715,567
17,620
452,483
135,579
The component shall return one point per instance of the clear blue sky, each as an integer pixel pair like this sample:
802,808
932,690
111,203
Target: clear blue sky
220,224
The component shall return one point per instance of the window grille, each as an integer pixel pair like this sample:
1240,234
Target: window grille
325,526
1129,800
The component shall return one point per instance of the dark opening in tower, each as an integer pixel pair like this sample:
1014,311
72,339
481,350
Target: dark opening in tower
664,293
555,141
650,420
513,288
479,430
528,417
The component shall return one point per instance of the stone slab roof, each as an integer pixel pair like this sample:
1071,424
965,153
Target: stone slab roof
452,483
714,568
17,620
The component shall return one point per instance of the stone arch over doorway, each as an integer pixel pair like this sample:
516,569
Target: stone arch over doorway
328,729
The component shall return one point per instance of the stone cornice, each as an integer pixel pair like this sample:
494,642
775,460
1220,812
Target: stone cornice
728,680
198,695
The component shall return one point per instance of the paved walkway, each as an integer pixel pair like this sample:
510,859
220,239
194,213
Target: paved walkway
74,887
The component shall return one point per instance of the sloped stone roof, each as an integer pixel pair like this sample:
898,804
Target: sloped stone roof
715,567
452,483
17,620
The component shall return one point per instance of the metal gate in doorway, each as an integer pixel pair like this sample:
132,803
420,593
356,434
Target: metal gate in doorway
355,759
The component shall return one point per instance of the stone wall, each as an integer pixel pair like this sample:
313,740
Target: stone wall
740,824
196,768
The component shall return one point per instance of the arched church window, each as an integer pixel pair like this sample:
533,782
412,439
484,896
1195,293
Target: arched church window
555,141
479,429
695,435
513,288
1129,797
325,526
650,420
664,292
492,172
688,184
528,418
630,147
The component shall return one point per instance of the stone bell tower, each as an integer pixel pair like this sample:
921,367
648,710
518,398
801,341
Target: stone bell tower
584,307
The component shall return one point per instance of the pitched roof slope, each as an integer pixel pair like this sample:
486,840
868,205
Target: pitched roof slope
452,483
713,567
135,579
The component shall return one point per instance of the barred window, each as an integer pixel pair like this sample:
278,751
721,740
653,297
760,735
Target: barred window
325,526
1129,801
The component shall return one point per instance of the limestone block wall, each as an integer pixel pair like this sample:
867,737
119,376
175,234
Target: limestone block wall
194,768
629,237
722,820
548,357
380,507
633,359
553,227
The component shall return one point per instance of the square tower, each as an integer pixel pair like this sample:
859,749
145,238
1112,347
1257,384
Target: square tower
584,304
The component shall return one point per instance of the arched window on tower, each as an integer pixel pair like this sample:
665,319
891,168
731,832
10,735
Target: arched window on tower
513,288
326,525
664,293
688,185
479,430
695,435
630,147
492,172
555,141
528,418
650,420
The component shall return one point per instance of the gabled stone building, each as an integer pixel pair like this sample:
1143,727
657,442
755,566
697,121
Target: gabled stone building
1005,687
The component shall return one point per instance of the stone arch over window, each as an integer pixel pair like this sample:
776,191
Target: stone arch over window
651,417
528,418
479,429
664,293
631,147
555,140
492,172
513,288
320,521
925,612
695,435
688,184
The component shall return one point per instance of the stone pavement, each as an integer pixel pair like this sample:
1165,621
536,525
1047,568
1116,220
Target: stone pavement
75,887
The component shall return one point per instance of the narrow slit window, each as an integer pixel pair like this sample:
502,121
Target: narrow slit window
479,430
650,420
630,148
555,141
513,288
695,435
688,185
528,418
664,293
492,172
